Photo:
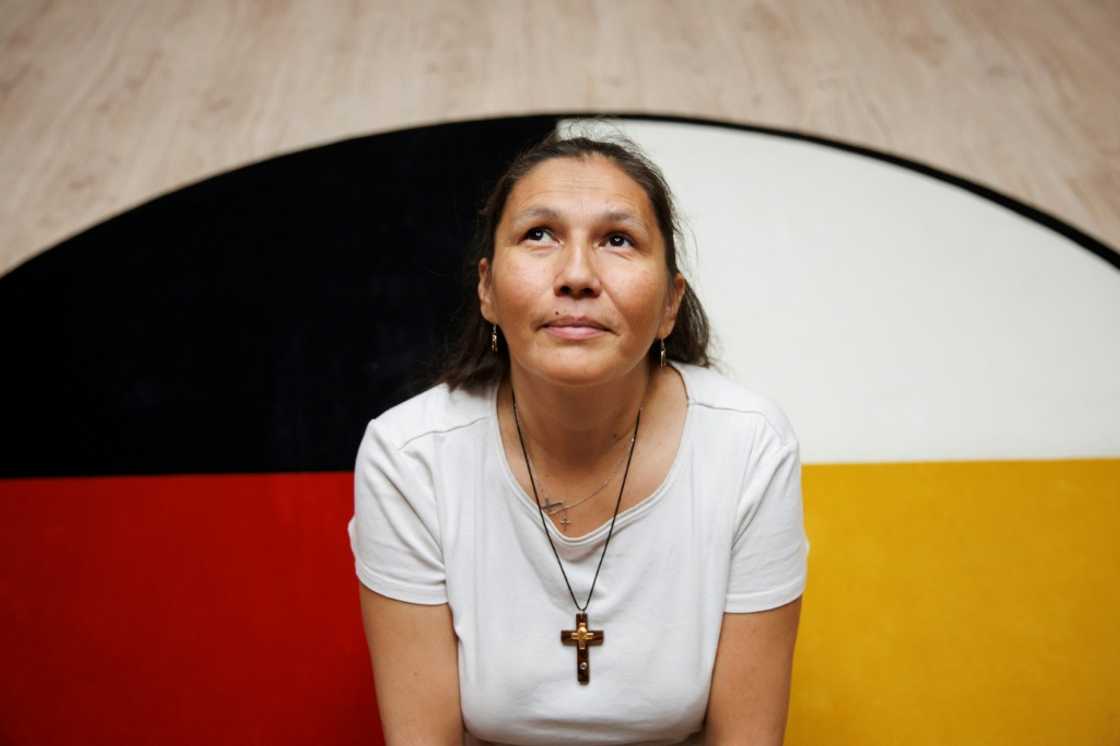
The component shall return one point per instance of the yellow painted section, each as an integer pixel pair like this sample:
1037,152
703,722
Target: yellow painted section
960,603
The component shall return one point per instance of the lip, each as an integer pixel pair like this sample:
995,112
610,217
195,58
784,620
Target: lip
574,327
574,332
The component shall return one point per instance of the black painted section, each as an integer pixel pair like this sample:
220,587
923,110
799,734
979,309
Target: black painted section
253,322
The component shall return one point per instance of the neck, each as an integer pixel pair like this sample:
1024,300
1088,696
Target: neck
576,426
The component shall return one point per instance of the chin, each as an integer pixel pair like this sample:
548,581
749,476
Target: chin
582,369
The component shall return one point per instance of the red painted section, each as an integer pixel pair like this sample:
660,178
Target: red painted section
181,610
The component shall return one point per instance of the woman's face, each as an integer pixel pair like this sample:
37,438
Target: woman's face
578,284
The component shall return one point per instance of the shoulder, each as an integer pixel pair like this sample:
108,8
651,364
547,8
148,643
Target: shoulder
727,403
435,411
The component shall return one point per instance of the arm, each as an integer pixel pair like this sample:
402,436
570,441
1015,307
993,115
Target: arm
414,654
749,699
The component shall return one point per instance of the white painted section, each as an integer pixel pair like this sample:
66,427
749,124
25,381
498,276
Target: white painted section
893,316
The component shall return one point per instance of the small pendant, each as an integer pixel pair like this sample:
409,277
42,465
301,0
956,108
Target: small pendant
582,638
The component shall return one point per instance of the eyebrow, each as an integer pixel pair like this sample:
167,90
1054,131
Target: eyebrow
547,213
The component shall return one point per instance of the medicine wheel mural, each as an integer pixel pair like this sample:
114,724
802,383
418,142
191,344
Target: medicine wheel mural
188,382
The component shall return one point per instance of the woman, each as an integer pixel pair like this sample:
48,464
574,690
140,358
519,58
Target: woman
582,534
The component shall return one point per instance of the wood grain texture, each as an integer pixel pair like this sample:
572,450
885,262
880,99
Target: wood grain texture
107,103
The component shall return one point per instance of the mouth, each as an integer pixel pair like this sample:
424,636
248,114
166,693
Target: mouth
575,327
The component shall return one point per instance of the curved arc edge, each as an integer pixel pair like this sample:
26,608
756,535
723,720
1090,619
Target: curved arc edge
1093,245
192,182
1090,243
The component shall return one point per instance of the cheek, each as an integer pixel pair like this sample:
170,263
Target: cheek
516,289
640,297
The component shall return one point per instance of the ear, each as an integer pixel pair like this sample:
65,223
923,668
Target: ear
672,306
486,291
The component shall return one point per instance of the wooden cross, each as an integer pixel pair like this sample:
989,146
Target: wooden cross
582,638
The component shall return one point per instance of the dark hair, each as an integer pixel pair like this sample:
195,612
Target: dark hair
471,364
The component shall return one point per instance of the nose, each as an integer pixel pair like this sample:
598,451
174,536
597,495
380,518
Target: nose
577,276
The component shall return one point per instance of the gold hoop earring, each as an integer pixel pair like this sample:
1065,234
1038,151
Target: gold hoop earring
494,338
662,352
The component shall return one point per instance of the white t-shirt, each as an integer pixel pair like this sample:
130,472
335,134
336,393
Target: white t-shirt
439,518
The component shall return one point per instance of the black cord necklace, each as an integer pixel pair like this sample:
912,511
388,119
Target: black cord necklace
582,637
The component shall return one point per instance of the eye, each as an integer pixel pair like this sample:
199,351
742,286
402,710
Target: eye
536,234
619,240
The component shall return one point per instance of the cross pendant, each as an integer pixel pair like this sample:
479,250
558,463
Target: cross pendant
582,638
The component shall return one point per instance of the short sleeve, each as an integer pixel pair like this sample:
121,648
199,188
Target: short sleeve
394,533
769,551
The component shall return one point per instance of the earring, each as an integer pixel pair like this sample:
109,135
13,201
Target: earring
662,352
494,338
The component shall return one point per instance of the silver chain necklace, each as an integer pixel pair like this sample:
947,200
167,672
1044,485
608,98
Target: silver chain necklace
553,507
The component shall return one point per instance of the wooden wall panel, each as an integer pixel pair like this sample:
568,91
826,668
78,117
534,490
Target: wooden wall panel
105,104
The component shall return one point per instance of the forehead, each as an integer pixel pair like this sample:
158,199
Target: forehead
592,183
